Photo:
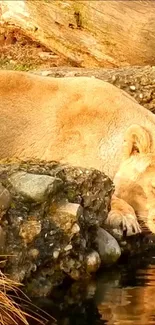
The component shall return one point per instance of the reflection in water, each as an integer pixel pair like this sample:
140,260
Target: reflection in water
124,296
123,305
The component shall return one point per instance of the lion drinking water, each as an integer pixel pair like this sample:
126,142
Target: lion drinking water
89,123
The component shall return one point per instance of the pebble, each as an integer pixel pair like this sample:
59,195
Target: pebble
133,88
56,254
68,247
75,229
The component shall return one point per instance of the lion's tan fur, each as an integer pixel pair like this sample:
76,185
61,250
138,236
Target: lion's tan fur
82,121
77,120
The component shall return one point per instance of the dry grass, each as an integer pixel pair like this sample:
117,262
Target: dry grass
10,311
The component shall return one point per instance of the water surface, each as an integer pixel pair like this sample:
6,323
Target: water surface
124,295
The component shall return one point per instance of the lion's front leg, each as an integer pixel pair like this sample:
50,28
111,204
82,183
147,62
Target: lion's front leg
123,217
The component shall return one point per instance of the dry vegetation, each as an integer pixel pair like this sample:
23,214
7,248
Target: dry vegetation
10,311
19,52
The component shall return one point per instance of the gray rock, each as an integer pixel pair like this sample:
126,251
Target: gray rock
108,247
34,187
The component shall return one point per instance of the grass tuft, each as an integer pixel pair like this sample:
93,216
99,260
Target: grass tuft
10,311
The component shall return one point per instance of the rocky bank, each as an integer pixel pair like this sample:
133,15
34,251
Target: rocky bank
51,218
52,224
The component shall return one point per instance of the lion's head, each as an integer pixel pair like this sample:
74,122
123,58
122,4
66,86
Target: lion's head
135,179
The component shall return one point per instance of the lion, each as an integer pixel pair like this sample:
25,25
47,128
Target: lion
89,123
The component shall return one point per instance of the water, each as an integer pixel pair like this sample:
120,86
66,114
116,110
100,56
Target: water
131,301
124,295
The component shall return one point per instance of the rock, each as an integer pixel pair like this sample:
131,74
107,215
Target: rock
132,87
93,262
5,198
75,229
46,55
75,275
108,248
51,225
45,73
90,193
56,254
2,241
34,187
66,215
51,222
34,253
68,248
30,229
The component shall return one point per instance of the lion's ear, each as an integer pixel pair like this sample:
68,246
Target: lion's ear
136,140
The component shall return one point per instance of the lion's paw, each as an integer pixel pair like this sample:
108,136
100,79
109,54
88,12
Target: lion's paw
126,223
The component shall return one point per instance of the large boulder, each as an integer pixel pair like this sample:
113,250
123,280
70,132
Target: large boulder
51,216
